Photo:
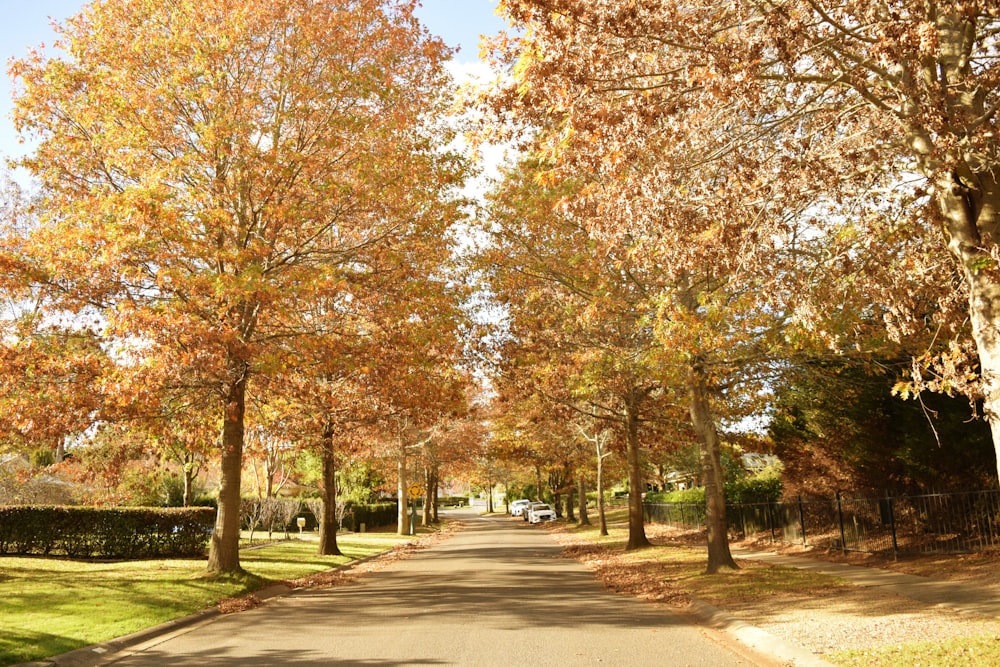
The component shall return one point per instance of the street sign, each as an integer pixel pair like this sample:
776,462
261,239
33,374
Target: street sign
416,491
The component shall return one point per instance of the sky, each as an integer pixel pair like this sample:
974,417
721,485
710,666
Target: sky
27,23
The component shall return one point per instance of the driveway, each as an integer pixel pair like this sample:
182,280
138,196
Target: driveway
496,593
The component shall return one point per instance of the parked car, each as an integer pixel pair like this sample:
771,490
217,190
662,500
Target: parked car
541,512
517,507
527,510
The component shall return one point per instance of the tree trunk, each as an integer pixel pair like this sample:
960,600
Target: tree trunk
602,517
425,519
434,495
189,477
582,496
636,522
719,556
970,204
328,522
224,549
402,520
570,513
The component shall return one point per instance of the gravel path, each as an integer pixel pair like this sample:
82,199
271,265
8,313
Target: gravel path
858,619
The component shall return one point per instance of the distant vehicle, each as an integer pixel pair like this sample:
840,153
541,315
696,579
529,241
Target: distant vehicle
517,507
541,512
527,510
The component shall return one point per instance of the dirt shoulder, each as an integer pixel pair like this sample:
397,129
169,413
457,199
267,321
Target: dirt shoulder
822,614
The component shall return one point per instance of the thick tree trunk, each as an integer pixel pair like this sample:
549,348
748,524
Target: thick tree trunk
328,522
970,204
719,556
224,549
636,521
582,497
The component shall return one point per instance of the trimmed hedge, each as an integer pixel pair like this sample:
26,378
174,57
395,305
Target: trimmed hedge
748,490
374,515
125,533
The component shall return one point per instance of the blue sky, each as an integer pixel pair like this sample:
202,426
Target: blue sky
26,23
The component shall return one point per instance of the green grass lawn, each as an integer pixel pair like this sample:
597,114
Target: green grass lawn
50,606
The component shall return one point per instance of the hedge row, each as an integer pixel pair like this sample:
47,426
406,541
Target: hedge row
747,491
106,533
374,515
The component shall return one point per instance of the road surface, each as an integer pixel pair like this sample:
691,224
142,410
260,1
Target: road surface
497,593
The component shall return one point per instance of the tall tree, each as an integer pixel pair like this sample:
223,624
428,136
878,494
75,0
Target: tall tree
869,124
204,164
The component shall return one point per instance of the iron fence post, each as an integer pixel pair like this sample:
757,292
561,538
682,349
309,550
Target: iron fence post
840,520
802,521
892,526
770,520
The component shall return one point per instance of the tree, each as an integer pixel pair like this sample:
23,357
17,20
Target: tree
868,126
203,166
630,338
836,426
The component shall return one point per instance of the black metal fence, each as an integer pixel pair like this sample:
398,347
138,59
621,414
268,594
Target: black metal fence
931,523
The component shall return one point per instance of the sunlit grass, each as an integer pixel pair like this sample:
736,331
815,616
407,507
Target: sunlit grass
50,606
958,652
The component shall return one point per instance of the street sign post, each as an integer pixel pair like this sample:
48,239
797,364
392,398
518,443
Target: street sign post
415,491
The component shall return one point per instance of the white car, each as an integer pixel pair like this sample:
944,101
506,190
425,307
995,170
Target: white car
540,512
517,507
526,512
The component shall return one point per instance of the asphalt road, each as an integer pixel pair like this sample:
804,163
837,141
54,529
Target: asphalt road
496,593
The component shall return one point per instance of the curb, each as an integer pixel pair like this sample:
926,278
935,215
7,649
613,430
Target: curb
754,638
91,655
98,654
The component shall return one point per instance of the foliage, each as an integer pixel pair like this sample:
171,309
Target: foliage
371,515
763,488
755,489
693,495
211,172
837,426
87,532
822,147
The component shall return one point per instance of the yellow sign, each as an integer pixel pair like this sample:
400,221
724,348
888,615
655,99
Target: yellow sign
416,491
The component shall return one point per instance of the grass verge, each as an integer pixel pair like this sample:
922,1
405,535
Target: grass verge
674,573
50,606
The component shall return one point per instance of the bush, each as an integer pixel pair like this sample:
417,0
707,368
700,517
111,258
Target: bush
759,489
373,515
131,533
454,501
693,495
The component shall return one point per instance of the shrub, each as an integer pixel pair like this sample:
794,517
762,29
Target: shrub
130,533
373,515
758,489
